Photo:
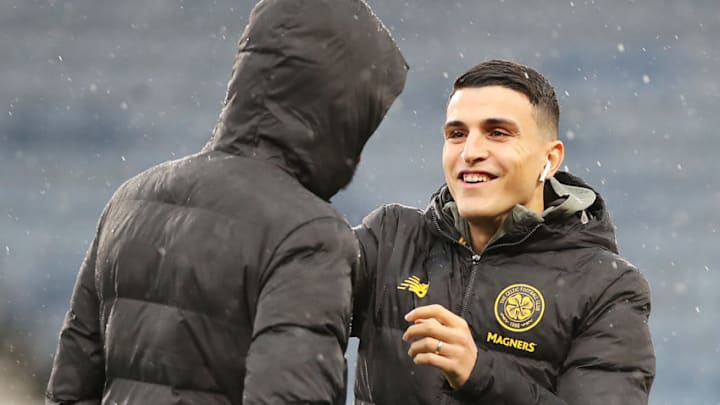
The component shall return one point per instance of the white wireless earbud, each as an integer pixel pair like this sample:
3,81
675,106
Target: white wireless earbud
545,172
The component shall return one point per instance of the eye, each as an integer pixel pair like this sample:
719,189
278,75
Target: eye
498,133
454,134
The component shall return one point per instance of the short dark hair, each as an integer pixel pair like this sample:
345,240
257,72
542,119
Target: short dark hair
520,78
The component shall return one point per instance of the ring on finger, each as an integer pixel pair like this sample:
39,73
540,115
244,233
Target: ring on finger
439,346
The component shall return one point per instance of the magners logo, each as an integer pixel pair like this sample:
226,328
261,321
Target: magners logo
519,307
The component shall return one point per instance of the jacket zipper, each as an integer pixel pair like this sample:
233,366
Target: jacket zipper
471,281
475,260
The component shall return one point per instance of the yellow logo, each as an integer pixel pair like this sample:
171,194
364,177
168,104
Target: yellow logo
519,307
413,284
518,344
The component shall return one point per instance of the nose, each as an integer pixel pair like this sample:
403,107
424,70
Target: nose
474,148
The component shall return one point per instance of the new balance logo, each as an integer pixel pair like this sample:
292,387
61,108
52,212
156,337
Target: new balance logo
414,285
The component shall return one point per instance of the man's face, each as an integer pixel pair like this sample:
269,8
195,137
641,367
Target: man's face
493,153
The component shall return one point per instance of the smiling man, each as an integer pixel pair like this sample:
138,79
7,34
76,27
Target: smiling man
508,288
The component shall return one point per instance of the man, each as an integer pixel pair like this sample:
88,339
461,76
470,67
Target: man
508,288
225,277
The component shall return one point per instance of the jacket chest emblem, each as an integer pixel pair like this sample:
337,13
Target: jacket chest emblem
414,285
519,307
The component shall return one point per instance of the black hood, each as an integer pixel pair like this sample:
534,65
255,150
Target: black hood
311,82
590,227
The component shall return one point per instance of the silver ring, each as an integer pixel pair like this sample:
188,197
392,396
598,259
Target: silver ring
439,346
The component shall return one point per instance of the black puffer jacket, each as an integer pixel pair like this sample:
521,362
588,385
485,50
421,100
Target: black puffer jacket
558,317
224,277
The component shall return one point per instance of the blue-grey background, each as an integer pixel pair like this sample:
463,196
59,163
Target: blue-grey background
93,92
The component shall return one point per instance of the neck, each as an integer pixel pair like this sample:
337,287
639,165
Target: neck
482,230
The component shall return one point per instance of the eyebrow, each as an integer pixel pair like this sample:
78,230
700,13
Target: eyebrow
453,124
490,122
494,122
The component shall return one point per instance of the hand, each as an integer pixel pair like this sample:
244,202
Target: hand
456,356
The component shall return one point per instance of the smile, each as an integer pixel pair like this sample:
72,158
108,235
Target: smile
476,177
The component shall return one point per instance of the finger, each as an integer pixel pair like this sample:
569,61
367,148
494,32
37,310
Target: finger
427,328
424,345
432,328
430,345
439,312
435,360
426,311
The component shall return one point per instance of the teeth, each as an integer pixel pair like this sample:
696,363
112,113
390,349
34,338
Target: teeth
475,178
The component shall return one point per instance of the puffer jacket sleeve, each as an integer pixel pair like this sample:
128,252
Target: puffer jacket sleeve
301,324
494,380
612,361
364,273
78,372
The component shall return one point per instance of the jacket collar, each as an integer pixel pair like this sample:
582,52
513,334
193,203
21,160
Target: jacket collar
574,215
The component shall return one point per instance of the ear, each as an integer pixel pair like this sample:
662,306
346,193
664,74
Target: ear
555,155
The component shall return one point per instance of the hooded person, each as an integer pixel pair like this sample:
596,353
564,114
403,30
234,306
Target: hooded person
225,277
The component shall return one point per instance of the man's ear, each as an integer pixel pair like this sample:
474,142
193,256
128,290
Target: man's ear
555,155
